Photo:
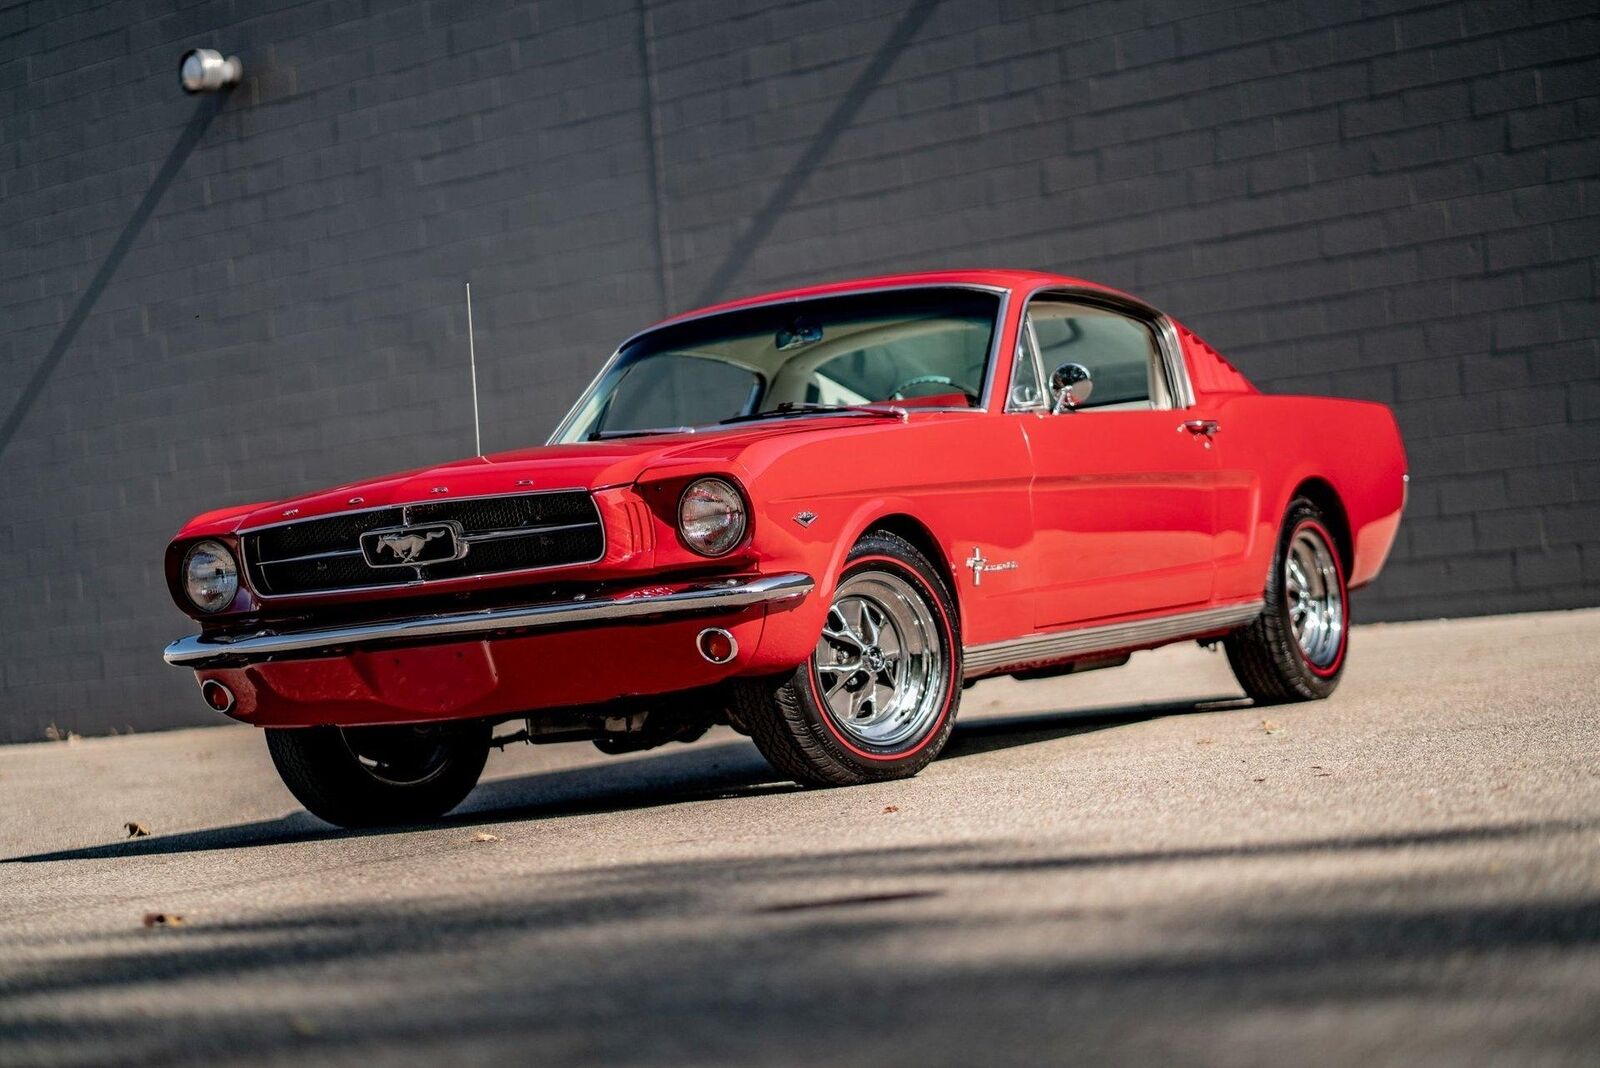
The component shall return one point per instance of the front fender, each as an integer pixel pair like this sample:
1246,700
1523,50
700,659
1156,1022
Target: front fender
820,549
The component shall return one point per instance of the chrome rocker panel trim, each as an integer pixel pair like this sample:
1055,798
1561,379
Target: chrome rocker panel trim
1044,648
684,598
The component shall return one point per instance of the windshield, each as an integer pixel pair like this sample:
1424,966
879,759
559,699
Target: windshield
921,347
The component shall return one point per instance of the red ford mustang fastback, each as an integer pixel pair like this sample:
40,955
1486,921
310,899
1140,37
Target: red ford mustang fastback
814,516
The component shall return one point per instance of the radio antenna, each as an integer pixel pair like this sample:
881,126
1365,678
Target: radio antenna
472,357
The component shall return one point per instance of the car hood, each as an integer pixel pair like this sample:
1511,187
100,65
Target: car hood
590,465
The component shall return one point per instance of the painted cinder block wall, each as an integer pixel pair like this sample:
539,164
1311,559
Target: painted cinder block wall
208,301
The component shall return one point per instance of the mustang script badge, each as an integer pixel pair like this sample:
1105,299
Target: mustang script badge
412,546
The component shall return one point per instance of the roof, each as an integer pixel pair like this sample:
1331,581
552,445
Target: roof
1003,279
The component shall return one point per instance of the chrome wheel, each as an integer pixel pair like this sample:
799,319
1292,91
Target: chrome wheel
880,661
1316,597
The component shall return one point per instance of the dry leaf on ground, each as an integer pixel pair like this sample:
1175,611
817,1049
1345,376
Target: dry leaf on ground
163,919
136,829
891,808
485,836
1271,726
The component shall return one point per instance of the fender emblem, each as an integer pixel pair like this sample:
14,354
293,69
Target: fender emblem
979,565
805,519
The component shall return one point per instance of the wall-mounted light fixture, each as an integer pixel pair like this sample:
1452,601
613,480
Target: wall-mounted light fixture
204,70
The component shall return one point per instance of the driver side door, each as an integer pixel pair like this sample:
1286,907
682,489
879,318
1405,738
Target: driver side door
1124,493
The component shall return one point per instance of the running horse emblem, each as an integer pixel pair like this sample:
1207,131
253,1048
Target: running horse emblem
407,547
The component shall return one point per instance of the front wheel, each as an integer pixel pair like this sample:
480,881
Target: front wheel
877,697
371,776
1295,649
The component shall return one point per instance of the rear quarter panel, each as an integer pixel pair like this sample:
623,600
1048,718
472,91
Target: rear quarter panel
1271,446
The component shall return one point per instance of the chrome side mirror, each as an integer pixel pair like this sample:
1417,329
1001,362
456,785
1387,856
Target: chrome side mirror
1071,385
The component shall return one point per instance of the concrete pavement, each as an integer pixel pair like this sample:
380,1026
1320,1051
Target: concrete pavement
1129,865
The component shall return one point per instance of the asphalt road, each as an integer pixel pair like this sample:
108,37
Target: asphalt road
1132,865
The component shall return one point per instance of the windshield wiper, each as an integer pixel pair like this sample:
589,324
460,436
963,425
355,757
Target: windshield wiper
795,408
644,431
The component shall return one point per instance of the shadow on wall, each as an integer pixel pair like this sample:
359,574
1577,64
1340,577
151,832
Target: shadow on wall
204,112
778,201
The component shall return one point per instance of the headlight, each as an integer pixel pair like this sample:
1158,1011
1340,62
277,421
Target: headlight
711,517
210,576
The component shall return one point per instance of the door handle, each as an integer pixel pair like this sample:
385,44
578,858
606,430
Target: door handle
1208,427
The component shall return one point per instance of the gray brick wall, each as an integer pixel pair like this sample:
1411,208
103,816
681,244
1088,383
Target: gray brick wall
203,305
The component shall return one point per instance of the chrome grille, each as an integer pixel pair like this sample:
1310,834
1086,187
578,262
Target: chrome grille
314,536
514,533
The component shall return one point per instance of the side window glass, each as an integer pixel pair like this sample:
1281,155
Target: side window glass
1120,353
1027,391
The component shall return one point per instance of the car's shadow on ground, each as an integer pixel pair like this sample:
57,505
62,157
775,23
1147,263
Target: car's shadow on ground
650,780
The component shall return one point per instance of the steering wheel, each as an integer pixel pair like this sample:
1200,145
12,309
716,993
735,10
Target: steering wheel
899,392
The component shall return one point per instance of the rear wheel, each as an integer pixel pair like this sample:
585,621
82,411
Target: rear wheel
371,776
1295,650
877,697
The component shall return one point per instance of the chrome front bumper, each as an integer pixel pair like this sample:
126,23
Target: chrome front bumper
677,599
